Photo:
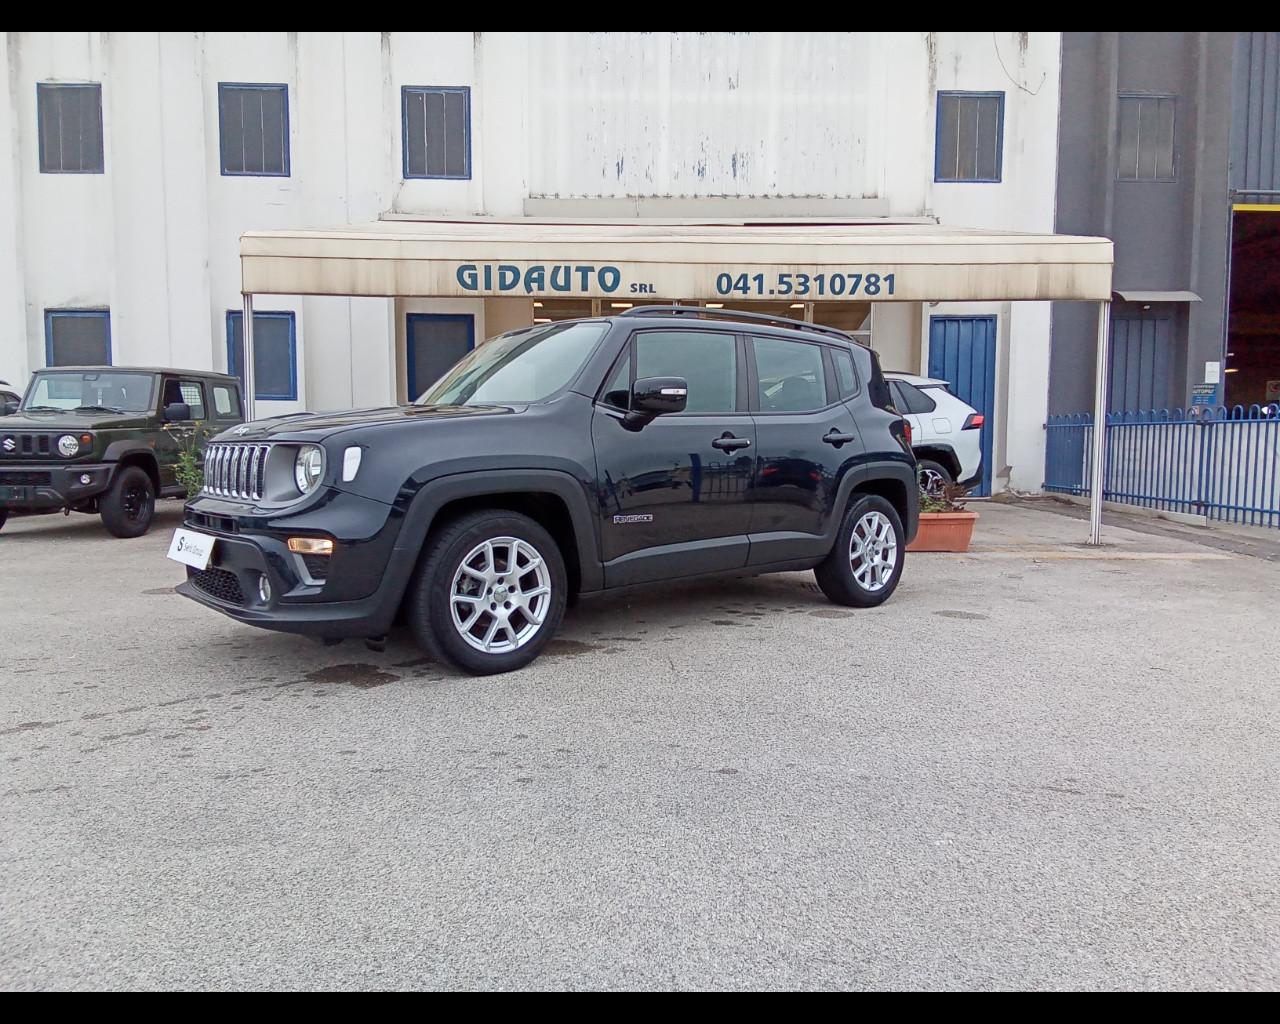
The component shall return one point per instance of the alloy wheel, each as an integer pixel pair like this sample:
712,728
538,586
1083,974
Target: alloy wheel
500,595
873,552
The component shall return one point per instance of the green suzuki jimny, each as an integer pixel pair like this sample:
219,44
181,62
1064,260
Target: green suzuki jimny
108,440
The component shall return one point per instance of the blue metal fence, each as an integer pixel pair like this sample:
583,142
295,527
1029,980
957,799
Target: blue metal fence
1222,463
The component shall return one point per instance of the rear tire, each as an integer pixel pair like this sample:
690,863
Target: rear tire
3,517
933,476
865,565
489,594
129,504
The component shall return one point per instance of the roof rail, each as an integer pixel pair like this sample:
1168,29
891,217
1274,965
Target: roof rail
735,314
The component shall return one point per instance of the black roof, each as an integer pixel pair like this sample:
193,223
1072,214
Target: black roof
139,369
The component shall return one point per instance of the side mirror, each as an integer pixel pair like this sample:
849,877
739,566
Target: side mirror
656,396
8,408
175,412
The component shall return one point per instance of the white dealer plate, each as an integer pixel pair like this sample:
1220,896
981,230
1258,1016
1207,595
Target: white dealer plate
191,548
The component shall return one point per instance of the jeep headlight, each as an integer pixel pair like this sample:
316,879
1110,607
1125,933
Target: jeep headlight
308,466
68,445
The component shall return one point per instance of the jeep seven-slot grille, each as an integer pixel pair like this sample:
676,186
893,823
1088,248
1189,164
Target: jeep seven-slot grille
235,470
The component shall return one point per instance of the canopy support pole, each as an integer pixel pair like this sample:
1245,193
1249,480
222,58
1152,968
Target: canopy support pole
246,367
1098,454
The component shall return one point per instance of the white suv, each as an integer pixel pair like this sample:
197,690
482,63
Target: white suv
946,434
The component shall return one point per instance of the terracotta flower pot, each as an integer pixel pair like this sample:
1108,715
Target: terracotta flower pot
944,531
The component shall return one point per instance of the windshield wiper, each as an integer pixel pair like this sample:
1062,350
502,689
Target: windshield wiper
96,408
42,408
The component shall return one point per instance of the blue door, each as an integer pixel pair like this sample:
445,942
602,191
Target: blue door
433,343
962,350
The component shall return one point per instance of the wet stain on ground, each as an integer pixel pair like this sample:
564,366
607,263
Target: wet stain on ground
830,613
726,771
950,613
160,590
726,622
360,675
562,647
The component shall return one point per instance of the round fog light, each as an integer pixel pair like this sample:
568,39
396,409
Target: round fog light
264,588
85,478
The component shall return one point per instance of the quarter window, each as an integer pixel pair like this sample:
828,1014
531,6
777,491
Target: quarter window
791,376
253,123
911,399
226,403
969,145
706,359
846,378
437,131
70,121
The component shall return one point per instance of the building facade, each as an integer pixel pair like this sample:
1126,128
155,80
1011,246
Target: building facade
1170,146
131,164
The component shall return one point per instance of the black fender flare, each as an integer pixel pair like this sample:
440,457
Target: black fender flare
437,493
897,470
118,451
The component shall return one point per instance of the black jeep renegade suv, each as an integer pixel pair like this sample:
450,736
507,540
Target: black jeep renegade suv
569,458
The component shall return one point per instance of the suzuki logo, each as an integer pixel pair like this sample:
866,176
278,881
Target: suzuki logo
240,430
10,444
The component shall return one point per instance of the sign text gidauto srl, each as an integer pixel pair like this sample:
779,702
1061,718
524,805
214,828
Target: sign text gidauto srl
587,278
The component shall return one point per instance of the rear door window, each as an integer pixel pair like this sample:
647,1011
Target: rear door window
791,376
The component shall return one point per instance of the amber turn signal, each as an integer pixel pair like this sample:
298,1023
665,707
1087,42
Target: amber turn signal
311,545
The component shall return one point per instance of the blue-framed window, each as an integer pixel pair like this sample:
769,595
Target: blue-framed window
69,118
275,354
433,343
253,129
77,337
436,131
969,145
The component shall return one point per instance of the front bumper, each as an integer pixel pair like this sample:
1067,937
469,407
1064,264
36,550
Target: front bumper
355,596
46,487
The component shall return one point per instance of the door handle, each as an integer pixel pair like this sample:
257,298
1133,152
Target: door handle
834,437
726,442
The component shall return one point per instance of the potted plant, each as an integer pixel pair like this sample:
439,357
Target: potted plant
944,523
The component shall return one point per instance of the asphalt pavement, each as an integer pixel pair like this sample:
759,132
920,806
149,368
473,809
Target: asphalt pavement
1040,765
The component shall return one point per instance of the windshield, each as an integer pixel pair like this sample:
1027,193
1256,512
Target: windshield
97,390
527,366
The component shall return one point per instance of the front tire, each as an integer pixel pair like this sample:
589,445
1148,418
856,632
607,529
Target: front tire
865,565
489,594
3,517
129,504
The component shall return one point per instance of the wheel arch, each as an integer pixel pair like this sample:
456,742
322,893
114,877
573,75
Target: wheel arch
943,455
146,461
554,499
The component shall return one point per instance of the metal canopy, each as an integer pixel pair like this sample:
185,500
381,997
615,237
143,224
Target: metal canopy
1131,295
907,260
427,258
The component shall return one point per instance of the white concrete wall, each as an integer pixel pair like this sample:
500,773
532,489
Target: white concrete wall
820,116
